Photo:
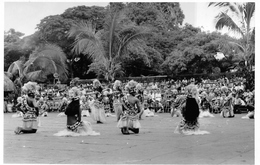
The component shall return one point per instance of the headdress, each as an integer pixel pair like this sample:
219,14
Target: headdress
76,92
30,88
19,99
139,87
191,89
96,83
204,94
130,86
117,84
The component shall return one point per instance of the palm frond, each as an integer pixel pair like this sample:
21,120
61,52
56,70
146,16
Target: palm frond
89,47
16,66
42,63
137,37
8,84
249,10
87,40
219,4
224,20
238,46
36,76
79,28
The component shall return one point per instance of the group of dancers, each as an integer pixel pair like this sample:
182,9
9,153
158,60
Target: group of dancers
128,105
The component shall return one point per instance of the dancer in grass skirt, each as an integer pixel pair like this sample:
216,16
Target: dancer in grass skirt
205,106
189,124
129,119
140,96
84,106
117,95
75,126
227,107
97,106
30,109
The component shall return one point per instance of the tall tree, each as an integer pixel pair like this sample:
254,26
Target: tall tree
237,17
108,46
45,63
13,47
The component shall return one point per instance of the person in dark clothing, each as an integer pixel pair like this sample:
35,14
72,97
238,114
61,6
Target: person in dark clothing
189,124
75,126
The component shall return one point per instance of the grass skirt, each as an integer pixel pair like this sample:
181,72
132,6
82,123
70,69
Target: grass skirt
129,121
175,112
148,113
249,115
17,114
61,114
204,114
85,129
189,128
97,113
85,113
227,112
29,124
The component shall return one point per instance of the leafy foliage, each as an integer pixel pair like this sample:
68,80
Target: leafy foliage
44,61
129,39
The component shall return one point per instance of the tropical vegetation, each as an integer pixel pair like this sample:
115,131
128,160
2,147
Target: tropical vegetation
129,39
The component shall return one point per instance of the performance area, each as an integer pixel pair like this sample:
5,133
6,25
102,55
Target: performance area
231,141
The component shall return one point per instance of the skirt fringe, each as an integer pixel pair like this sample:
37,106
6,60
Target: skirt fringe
84,130
130,122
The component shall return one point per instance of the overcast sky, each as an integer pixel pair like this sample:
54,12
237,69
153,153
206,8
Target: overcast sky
24,16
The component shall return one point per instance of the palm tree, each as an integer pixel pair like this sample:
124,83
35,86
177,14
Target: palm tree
15,70
237,17
47,60
107,47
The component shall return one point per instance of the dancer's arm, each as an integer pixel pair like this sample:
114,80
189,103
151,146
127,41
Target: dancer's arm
35,104
138,103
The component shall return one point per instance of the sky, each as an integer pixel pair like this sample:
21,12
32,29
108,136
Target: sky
24,16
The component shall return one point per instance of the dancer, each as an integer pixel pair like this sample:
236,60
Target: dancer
106,103
97,106
75,126
205,106
30,109
117,95
227,107
178,105
84,106
129,119
140,96
189,124
250,101
19,112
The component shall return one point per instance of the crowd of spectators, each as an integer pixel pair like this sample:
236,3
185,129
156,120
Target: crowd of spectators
159,96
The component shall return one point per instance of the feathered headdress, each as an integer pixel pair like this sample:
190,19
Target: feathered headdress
130,86
30,87
76,92
139,87
191,89
117,84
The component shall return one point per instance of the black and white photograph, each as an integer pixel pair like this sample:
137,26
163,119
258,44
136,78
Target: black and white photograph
138,82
